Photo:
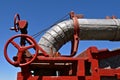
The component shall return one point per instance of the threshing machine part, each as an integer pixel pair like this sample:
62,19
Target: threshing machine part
69,68
22,48
88,65
89,29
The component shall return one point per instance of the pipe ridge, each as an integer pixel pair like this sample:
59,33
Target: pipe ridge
52,45
63,36
58,33
55,40
68,30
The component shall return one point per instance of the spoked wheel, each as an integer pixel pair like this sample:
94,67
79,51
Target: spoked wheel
16,20
21,50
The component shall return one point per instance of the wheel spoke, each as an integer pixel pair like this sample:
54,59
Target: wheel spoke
19,55
29,41
15,44
28,47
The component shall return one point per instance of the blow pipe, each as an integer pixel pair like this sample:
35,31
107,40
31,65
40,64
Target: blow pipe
89,29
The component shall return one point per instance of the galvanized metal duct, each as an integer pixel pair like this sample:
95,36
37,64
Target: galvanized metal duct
90,29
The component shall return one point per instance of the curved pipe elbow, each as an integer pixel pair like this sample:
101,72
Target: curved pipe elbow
90,29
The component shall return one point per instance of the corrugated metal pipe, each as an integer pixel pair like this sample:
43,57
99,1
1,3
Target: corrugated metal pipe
90,29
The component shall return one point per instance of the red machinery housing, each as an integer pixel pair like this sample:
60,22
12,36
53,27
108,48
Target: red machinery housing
41,66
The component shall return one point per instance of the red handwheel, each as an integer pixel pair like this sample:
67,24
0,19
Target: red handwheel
16,20
21,50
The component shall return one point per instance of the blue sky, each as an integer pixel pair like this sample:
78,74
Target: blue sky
40,14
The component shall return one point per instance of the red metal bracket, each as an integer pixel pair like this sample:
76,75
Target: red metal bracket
75,40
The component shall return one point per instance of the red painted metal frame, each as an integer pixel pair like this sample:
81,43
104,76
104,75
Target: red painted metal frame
78,69
53,61
94,55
